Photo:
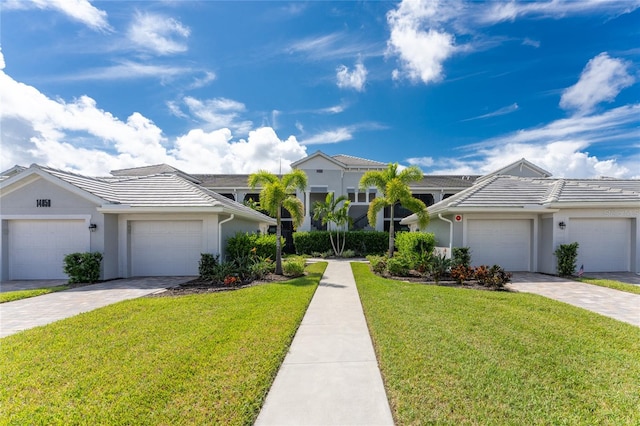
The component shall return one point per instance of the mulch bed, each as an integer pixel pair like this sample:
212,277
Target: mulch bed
199,286
415,277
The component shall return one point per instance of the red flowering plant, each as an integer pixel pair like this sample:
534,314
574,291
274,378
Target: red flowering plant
231,280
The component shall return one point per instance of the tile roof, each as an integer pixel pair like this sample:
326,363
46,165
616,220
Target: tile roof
223,181
146,170
100,187
349,160
159,190
512,192
445,181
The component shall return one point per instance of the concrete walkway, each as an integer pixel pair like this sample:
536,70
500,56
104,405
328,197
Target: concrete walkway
605,301
36,311
330,375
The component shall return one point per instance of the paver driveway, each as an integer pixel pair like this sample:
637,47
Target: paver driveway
36,311
605,301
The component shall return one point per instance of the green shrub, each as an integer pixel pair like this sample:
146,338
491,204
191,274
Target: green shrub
367,242
492,277
293,266
82,267
461,256
246,244
413,243
416,246
439,266
261,267
348,253
265,245
312,242
208,265
362,243
567,255
399,265
378,263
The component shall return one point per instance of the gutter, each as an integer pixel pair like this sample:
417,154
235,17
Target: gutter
450,232
229,219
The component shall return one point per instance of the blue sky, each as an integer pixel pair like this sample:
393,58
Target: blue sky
454,87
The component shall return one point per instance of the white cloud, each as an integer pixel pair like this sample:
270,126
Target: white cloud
79,10
219,113
333,46
355,79
509,11
502,111
340,134
215,152
421,161
601,80
420,46
560,147
336,109
202,81
79,136
158,34
128,70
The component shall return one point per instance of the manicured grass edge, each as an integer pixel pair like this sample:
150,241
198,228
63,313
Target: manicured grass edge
12,296
615,285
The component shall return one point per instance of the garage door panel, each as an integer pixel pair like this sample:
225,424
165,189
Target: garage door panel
37,247
165,248
503,242
604,245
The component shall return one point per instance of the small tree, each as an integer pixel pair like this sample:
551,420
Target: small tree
329,212
278,193
394,187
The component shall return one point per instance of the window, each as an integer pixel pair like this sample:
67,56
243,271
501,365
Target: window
351,194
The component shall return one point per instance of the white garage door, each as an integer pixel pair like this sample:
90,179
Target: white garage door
604,244
37,247
165,248
500,242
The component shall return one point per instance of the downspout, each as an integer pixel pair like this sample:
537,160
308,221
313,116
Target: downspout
229,219
450,232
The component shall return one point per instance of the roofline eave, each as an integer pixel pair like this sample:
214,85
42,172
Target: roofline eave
128,209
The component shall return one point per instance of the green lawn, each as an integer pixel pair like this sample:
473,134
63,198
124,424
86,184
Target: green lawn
456,356
199,359
616,285
10,296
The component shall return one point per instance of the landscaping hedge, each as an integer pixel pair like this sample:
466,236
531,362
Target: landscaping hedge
363,243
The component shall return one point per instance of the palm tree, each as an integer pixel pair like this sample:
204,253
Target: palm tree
277,193
394,187
329,212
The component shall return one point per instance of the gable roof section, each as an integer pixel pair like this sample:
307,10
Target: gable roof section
341,160
160,192
91,189
296,164
351,161
153,170
522,168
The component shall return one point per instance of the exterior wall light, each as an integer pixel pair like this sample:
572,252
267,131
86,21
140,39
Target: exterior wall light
562,225
93,227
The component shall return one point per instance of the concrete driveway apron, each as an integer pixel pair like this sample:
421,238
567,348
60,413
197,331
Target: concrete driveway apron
36,311
605,301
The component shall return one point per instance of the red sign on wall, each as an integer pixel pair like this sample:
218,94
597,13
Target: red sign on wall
458,218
